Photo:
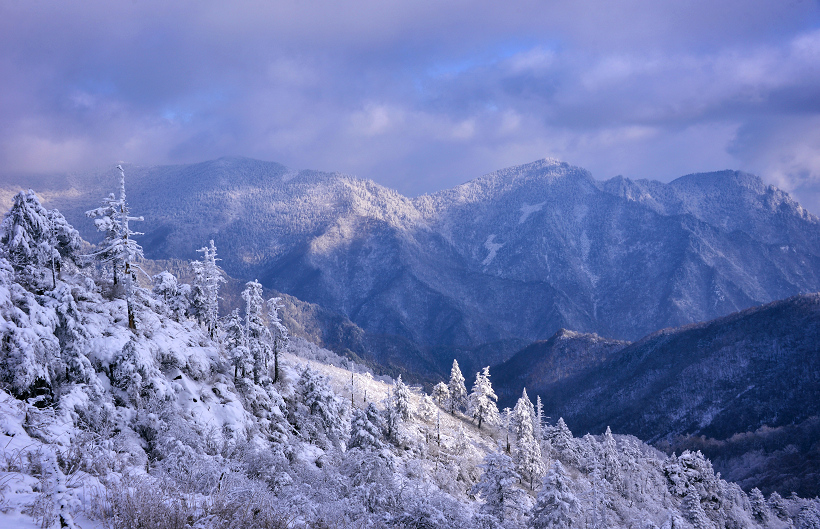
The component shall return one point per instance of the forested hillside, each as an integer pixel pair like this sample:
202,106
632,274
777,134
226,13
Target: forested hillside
181,416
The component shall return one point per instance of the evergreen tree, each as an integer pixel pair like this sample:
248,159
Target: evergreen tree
280,334
506,424
441,394
427,408
481,405
64,241
28,349
527,452
760,511
522,411
257,334
809,516
777,505
321,414
107,220
612,461
205,292
365,429
235,347
401,395
538,427
557,506
563,444
36,240
119,246
502,499
392,416
165,286
694,511
458,391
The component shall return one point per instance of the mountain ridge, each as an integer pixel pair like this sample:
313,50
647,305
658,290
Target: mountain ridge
511,256
730,387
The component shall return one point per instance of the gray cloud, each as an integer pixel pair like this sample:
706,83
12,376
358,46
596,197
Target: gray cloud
417,95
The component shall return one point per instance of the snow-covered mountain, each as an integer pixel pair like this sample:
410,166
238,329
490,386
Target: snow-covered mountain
749,383
513,255
170,424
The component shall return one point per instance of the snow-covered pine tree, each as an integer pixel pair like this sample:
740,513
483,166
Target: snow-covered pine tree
58,492
176,296
73,338
164,286
392,417
28,349
401,395
557,506
366,429
538,426
506,425
107,220
760,511
257,335
481,404
522,411
234,345
457,390
207,278
279,332
65,242
599,494
119,246
563,444
427,408
27,239
809,516
527,450
322,416
497,487
612,461
694,511
777,506
441,394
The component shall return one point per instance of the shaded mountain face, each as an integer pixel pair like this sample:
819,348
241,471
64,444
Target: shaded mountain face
744,389
542,364
509,257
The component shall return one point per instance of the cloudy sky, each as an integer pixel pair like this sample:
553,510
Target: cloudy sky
420,95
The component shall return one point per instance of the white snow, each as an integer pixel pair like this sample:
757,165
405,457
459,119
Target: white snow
492,247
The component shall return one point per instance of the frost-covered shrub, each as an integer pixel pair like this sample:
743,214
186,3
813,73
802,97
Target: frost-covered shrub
269,466
371,477
269,408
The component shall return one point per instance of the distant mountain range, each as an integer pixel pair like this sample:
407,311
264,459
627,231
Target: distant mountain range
506,259
744,389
